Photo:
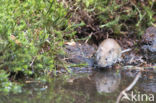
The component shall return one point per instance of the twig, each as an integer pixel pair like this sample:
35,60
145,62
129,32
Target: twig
32,61
146,69
129,67
32,82
89,37
123,92
126,50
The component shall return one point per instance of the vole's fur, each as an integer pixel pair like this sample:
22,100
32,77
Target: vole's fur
109,51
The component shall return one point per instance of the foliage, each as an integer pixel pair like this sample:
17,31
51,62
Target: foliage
7,86
31,35
121,16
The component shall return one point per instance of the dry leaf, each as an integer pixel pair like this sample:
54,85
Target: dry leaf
12,37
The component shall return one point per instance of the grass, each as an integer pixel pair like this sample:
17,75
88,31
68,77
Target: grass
31,34
120,17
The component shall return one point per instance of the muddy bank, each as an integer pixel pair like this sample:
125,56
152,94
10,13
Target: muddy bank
142,54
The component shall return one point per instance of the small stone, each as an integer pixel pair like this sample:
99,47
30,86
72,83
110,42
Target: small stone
149,49
149,38
109,51
150,35
78,53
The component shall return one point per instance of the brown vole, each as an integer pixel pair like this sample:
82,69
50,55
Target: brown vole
108,52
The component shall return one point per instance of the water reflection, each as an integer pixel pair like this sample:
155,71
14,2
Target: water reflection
149,83
101,82
107,81
87,87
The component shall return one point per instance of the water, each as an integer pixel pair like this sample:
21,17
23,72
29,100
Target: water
84,87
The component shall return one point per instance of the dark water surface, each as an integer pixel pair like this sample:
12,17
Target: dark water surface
84,87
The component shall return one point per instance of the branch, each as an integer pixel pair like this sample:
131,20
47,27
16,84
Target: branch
129,87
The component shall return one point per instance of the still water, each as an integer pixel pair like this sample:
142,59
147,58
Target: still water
84,87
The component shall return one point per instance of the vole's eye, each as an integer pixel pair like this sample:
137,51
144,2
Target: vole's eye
111,51
99,58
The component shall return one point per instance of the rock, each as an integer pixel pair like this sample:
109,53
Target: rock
109,51
149,49
149,38
78,53
150,35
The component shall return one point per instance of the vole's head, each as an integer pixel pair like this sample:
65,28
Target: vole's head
108,53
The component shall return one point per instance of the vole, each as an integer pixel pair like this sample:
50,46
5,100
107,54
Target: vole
108,52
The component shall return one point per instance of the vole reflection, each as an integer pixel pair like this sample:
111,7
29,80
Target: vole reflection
107,81
98,81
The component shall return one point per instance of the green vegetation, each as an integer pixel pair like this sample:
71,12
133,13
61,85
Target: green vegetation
120,16
31,35
127,16
32,32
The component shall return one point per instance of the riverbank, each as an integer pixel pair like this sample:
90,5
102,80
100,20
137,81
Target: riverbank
33,33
